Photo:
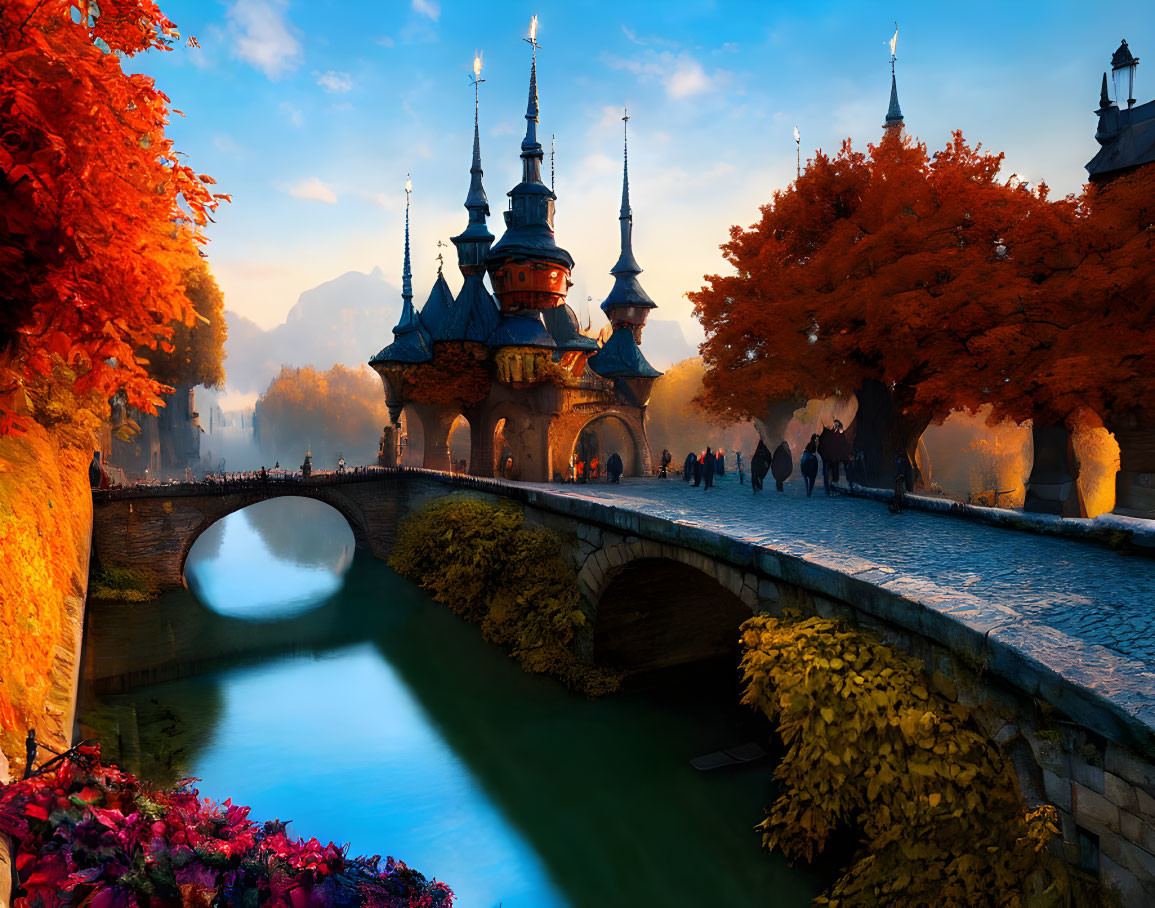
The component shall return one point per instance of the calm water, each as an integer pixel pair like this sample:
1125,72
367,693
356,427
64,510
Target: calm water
328,690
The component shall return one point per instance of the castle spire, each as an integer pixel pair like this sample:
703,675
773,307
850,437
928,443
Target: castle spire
476,201
628,304
626,264
408,315
527,267
893,121
532,153
894,113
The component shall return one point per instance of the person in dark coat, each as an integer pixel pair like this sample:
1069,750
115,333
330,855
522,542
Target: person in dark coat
697,471
709,468
720,463
759,466
809,464
688,467
666,458
834,448
741,472
614,467
781,465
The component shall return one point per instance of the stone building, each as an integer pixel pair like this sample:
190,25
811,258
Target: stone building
519,368
1127,137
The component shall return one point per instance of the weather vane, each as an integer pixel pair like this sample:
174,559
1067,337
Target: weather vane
893,43
798,142
532,39
440,256
476,80
408,189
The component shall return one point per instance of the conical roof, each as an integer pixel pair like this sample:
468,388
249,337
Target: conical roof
438,309
475,314
562,325
627,289
620,357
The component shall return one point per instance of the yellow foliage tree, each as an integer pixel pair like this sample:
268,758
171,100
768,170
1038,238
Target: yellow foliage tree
335,413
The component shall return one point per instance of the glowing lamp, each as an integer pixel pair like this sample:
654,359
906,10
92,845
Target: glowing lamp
1123,66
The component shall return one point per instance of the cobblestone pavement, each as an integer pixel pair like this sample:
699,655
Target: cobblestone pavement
1083,590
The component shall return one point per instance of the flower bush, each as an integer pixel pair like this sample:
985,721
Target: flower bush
512,580
88,834
870,747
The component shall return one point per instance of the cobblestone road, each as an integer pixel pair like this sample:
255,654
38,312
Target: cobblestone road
1084,590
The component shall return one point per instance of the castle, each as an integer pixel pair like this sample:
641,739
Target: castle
537,392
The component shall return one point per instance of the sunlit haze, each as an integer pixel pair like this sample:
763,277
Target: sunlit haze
311,115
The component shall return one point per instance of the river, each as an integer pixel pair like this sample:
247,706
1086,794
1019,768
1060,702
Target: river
319,686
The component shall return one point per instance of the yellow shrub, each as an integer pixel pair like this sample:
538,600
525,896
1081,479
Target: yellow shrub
869,746
512,580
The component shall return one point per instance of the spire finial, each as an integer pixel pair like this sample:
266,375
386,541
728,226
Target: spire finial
407,273
894,112
626,213
530,144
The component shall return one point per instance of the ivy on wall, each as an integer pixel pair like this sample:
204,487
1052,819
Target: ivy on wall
869,746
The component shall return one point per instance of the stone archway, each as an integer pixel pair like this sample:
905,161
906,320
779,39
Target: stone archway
460,443
604,435
516,439
657,613
629,426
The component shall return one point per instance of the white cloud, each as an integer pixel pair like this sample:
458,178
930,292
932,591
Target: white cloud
292,114
335,82
263,36
385,41
632,35
682,74
312,188
429,8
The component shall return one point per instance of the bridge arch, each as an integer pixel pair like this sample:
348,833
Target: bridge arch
342,505
657,605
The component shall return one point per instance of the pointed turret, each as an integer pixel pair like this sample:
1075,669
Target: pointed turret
438,312
473,244
628,304
894,113
411,341
527,267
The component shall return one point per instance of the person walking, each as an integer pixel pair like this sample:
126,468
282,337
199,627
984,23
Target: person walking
666,458
781,465
720,462
738,464
614,467
697,470
759,465
709,467
688,467
809,464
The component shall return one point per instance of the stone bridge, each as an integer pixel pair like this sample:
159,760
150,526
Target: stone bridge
154,527
1062,678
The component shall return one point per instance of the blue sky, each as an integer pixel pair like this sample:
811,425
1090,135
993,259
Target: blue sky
311,113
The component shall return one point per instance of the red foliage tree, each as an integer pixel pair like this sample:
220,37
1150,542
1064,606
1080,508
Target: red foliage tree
93,200
881,273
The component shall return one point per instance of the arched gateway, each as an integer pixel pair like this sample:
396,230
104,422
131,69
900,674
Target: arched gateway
521,365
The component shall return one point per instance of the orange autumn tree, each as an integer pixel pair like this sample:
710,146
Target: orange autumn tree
336,413
873,273
93,200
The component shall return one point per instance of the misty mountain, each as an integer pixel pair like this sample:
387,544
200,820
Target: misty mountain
349,319
346,320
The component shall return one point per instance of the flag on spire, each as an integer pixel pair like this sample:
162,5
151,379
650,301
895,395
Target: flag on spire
894,40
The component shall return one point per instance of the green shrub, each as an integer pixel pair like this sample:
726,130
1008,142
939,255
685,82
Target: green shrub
513,580
124,584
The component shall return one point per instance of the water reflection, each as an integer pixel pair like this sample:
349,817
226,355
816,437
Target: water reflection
274,559
382,720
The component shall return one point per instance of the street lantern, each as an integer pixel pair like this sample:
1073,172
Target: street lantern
1123,66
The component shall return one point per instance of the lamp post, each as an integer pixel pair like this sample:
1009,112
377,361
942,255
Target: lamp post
1123,66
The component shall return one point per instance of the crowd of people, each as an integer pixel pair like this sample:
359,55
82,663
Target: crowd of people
831,451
